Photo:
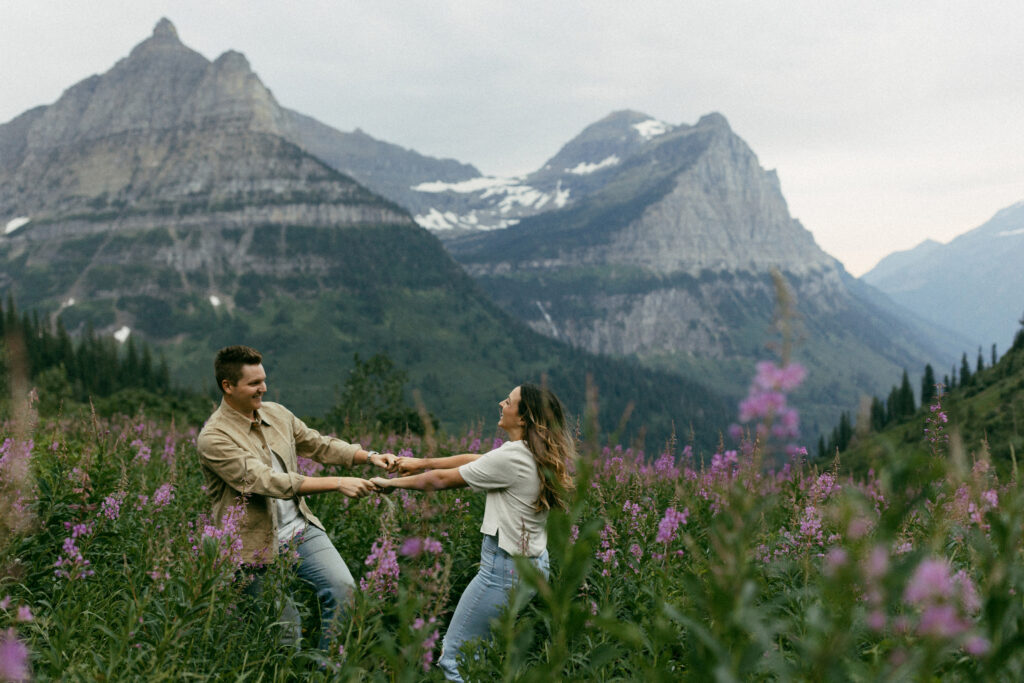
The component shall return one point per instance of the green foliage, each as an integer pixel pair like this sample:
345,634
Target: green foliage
373,399
792,574
68,374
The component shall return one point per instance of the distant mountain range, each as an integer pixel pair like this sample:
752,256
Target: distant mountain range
974,285
173,197
167,198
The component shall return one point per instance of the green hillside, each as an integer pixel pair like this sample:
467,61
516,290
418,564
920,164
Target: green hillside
985,414
322,295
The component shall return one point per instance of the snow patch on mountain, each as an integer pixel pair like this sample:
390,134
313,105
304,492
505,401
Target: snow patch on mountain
584,168
1010,233
437,221
488,184
15,223
651,128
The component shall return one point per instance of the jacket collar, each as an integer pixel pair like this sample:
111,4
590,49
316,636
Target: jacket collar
238,419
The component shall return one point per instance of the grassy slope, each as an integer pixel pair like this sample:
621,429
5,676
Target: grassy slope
987,413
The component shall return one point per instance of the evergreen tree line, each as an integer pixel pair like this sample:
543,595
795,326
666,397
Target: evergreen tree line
901,404
88,367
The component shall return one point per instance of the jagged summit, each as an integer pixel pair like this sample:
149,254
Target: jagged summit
164,29
166,127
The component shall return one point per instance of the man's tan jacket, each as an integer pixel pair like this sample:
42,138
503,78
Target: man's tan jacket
235,453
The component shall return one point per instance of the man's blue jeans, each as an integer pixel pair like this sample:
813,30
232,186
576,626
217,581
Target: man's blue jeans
321,566
482,601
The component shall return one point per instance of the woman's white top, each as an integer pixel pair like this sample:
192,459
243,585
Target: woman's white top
508,475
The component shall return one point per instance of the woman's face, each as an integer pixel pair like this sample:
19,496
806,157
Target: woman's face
509,419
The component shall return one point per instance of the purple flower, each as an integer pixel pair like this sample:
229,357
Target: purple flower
382,580
13,658
942,621
931,581
163,496
977,646
24,613
669,523
111,505
413,547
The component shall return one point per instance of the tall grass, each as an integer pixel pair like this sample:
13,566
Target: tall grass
668,566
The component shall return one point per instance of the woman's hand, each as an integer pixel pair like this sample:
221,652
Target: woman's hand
383,485
355,487
406,465
385,461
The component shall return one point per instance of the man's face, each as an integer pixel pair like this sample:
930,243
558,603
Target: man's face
246,396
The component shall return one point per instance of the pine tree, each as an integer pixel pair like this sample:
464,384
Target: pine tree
981,363
928,388
906,397
965,371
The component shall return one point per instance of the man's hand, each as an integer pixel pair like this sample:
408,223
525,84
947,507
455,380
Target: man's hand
405,465
355,487
385,461
383,485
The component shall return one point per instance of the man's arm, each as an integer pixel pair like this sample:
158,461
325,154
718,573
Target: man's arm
353,487
407,465
329,450
433,480
243,471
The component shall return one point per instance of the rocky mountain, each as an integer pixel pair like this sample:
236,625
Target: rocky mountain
973,285
167,198
669,259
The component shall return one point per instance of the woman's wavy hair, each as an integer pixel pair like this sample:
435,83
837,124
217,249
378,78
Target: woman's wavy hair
550,441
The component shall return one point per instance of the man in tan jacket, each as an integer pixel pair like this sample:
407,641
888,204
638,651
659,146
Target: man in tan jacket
249,450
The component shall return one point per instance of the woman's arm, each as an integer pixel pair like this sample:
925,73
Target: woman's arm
433,480
413,465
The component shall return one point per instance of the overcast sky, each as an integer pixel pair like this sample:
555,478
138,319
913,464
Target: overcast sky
887,122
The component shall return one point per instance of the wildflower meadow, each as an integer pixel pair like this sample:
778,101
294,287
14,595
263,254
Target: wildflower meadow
748,563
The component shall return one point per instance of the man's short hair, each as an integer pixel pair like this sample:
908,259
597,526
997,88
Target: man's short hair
229,362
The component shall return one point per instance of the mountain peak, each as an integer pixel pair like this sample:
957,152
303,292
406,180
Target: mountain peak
164,30
714,120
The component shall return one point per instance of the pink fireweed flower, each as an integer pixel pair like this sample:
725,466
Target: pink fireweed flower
835,559
111,505
942,621
168,454
14,663
414,547
876,564
24,613
163,496
427,646
607,552
977,646
382,580
810,525
665,467
669,523
967,593
876,620
930,582
766,401
144,452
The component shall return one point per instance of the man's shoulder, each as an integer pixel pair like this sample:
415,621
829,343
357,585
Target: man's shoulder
269,409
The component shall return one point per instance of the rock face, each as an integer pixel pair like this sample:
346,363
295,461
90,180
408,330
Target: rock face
670,259
173,198
973,285
166,132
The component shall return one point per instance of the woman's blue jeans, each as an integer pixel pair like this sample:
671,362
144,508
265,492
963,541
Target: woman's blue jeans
321,566
484,598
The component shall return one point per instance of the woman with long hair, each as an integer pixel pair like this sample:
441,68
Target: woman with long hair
524,479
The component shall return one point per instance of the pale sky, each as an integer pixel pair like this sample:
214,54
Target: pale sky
887,122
